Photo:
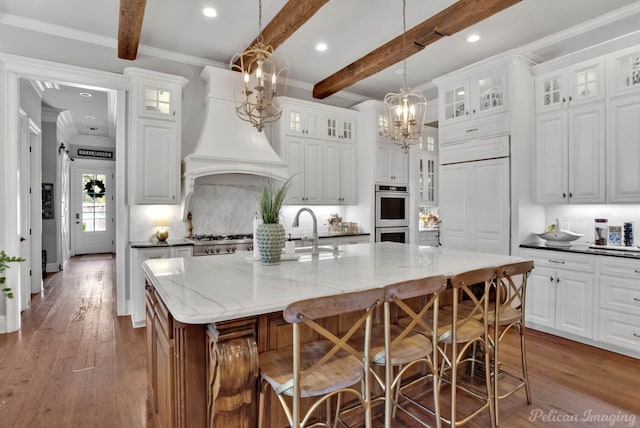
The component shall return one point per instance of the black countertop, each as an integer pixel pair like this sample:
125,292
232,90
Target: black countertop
585,249
179,242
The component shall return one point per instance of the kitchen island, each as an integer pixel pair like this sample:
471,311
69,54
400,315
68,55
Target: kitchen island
209,317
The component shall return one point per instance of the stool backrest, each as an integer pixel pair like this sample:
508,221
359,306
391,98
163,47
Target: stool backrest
511,290
462,285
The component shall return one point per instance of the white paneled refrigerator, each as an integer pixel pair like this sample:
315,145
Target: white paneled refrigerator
475,195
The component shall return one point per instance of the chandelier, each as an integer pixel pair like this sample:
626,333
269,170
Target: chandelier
257,64
404,111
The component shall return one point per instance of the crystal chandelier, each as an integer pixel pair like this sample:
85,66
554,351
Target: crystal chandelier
257,64
405,111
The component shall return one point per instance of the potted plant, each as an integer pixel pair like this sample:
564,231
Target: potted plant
4,259
270,234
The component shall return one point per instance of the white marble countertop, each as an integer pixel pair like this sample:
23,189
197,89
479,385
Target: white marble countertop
201,290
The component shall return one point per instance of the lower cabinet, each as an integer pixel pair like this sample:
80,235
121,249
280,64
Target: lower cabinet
560,293
176,367
593,299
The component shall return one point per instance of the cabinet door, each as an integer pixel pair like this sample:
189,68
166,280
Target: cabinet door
156,166
313,175
586,81
488,93
586,153
455,206
348,175
156,101
550,167
301,121
541,291
574,303
455,103
152,380
489,222
550,91
295,155
625,66
332,179
624,150
164,366
383,162
400,166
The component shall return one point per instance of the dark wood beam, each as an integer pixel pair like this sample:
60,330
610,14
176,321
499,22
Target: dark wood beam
456,17
287,21
130,27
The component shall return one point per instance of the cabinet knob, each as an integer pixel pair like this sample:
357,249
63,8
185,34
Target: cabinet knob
636,335
564,100
550,279
557,280
570,195
564,195
636,299
637,271
570,98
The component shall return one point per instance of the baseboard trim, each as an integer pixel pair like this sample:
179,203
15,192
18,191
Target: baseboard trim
3,324
53,267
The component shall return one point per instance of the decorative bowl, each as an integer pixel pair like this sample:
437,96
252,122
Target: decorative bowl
559,238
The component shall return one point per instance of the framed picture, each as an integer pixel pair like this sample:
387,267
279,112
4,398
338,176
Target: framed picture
47,201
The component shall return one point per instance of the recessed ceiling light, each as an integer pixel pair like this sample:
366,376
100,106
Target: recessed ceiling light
321,47
473,38
90,117
209,12
85,94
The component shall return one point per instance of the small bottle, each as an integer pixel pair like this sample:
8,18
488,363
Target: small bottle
601,226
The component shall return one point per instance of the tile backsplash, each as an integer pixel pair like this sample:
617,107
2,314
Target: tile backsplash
223,209
580,218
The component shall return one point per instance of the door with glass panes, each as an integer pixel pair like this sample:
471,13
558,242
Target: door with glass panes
92,219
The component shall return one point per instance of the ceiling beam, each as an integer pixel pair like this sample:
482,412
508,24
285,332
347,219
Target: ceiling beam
287,21
130,27
456,17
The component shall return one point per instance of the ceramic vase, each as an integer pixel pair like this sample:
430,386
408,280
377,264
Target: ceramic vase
270,239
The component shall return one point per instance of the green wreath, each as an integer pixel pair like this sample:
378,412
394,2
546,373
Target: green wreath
91,186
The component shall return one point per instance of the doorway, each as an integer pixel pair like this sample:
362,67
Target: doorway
92,221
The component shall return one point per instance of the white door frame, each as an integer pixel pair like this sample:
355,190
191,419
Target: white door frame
13,68
83,165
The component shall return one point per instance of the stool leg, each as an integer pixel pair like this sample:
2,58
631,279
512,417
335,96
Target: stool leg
487,376
523,352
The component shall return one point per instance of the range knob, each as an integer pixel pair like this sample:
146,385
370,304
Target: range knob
208,250
231,249
217,250
249,247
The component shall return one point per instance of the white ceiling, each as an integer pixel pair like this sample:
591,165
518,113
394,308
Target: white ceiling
351,28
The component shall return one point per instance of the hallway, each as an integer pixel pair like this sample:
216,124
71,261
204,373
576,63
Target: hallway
74,363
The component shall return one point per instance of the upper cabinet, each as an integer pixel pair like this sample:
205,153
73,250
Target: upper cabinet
624,149
318,142
155,105
427,159
571,85
475,95
624,67
302,121
392,164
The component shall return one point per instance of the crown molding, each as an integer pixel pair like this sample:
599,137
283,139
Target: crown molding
66,126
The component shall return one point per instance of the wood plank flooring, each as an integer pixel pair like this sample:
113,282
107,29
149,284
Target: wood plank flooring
76,364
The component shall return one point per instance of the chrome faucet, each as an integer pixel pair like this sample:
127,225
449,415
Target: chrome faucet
296,223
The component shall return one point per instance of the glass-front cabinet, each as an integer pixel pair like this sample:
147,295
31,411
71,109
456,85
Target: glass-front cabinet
480,94
625,66
427,169
568,86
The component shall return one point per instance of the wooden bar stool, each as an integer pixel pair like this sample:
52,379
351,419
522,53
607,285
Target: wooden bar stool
511,292
326,367
464,331
414,343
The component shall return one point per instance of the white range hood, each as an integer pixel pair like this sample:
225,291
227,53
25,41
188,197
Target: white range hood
228,145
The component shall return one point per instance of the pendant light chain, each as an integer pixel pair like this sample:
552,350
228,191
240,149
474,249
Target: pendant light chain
404,42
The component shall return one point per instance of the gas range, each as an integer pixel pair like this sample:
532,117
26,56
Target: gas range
206,245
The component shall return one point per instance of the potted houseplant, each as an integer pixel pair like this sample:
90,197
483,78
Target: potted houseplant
4,259
270,234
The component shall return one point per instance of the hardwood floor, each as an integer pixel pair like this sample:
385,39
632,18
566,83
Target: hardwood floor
76,364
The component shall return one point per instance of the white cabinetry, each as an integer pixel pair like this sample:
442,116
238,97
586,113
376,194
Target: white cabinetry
340,173
305,159
474,205
392,164
482,93
560,293
427,169
619,297
569,86
318,143
570,155
155,104
624,149
136,278
624,68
